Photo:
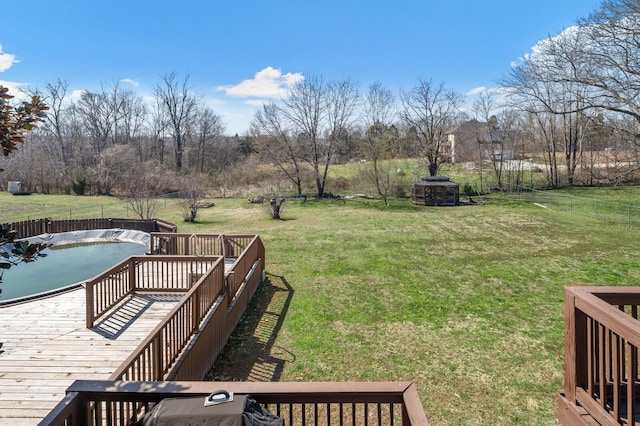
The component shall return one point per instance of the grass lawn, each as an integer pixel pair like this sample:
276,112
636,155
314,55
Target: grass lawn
467,302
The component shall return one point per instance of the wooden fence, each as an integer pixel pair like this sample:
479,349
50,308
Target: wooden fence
602,337
347,403
30,228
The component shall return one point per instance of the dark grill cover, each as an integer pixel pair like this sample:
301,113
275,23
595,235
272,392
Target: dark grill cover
242,411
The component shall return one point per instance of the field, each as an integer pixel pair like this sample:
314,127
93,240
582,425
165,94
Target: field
467,301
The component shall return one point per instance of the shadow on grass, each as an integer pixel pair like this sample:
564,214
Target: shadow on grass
250,354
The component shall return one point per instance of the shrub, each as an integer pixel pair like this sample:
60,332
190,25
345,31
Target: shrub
79,186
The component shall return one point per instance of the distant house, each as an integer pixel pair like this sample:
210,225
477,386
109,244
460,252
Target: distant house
473,140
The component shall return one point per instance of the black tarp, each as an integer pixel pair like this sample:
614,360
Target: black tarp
242,411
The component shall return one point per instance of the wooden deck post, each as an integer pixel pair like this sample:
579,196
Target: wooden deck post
569,346
89,304
158,359
229,285
132,275
575,346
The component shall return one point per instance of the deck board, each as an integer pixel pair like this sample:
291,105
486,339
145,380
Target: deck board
47,347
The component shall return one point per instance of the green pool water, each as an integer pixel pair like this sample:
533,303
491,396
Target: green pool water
64,266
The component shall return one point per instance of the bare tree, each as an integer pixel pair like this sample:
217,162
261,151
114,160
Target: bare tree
141,187
57,121
613,152
342,98
208,128
381,140
158,125
320,116
98,117
113,168
275,207
275,143
430,110
484,108
131,119
193,190
179,105
559,106
601,56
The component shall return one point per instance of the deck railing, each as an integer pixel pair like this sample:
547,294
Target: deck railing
138,274
199,244
184,346
119,403
156,357
602,337
242,249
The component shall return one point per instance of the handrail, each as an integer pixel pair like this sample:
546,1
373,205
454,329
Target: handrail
163,243
243,264
318,403
245,249
138,274
185,344
228,246
602,341
153,358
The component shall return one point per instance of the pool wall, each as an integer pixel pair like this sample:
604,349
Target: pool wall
93,236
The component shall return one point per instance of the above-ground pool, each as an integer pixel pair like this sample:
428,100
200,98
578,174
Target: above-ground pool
74,258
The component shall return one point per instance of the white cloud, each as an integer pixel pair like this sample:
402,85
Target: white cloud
134,83
476,91
76,94
6,60
267,83
538,50
256,102
488,90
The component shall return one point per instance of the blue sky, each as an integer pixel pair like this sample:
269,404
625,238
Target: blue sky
239,54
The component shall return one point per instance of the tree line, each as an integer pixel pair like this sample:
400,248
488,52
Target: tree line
571,107
114,141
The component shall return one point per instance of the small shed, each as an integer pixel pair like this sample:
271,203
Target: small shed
13,187
435,191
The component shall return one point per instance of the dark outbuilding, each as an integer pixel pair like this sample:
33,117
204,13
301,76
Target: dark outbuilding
435,191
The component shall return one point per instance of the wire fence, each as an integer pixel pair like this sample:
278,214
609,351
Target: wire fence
606,211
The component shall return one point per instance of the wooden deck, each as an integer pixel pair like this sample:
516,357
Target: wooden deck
602,356
47,346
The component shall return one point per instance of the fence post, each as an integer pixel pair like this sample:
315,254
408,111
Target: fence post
229,285
575,345
196,311
89,304
158,367
569,346
133,285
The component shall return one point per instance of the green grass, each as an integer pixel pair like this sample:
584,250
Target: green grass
467,302
616,194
